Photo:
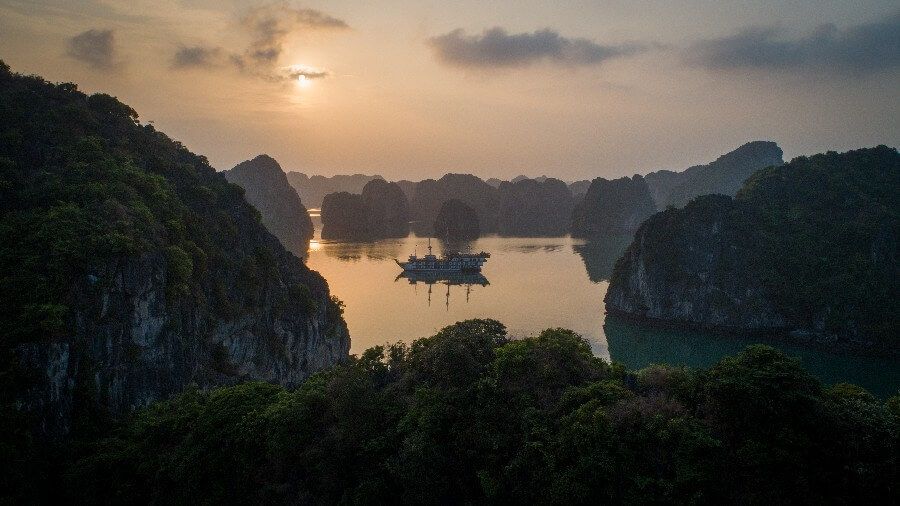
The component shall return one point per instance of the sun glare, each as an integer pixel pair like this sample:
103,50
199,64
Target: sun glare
303,81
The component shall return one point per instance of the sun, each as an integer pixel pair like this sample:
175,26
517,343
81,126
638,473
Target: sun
303,81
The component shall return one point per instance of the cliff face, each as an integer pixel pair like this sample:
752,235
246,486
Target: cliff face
131,343
313,189
133,269
266,187
692,266
724,176
612,207
531,207
808,249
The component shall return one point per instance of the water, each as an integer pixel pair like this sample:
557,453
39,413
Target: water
531,284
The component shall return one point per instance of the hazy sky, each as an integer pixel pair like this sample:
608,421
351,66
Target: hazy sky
414,89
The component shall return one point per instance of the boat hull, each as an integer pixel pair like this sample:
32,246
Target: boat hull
437,268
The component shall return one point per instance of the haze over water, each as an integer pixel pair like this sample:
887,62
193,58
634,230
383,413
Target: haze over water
534,284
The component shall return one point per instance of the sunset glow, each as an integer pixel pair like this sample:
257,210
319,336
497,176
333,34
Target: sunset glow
416,89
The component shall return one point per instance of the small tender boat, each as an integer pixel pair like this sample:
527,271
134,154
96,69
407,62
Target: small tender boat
449,262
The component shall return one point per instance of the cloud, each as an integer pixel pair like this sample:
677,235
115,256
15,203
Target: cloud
495,48
197,56
270,26
294,72
94,47
858,50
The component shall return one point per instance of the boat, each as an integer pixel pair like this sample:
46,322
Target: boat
449,262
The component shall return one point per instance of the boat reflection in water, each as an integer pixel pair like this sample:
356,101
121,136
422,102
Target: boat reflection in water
456,278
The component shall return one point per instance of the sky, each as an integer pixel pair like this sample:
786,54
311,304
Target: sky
412,89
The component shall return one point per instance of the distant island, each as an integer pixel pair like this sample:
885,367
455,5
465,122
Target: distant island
456,221
808,250
380,211
313,189
545,206
266,188
534,207
612,207
724,176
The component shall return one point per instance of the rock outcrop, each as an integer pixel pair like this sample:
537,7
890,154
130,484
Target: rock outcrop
724,176
144,271
612,207
266,187
808,250
456,222
534,208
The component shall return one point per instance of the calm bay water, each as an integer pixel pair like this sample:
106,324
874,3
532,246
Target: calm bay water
531,284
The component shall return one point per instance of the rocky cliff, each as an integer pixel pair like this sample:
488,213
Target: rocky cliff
808,249
724,176
692,265
612,207
266,187
130,269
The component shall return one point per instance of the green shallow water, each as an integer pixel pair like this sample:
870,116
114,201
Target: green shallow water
637,346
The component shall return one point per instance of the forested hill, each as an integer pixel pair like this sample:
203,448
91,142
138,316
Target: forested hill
129,268
809,248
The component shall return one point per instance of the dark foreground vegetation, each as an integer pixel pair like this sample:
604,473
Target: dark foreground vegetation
472,416
130,268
